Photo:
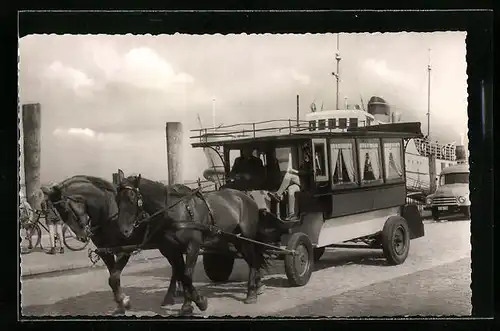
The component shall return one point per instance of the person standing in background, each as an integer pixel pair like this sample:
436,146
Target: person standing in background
54,223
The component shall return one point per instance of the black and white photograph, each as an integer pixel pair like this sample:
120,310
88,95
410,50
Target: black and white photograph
282,175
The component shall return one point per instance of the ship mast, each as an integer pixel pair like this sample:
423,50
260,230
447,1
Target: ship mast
429,97
336,74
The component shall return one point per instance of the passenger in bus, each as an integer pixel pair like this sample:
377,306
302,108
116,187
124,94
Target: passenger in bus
273,171
249,168
294,181
368,169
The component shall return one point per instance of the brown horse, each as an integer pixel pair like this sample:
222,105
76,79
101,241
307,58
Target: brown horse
183,218
88,205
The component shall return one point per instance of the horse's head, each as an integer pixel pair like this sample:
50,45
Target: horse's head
71,209
130,203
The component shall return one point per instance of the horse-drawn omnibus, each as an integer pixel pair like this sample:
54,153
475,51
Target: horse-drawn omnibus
354,194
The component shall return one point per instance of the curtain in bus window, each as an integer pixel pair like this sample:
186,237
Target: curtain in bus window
392,155
369,161
349,162
334,149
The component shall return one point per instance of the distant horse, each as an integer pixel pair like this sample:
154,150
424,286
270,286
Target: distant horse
88,205
183,218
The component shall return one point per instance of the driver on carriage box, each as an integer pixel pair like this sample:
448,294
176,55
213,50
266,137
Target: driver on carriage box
249,168
292,182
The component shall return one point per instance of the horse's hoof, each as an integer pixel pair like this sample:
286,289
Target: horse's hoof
186,310
250,300
260,289
126,302
168,301
202,303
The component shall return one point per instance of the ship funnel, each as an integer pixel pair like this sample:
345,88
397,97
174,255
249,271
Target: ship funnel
380,109
461,154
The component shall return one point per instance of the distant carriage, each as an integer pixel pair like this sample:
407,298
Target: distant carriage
354,197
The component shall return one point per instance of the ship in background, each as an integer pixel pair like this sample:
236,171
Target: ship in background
377,112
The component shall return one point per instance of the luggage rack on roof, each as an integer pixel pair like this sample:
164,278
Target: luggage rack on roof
251,130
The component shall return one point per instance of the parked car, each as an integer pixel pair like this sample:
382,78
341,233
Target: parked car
452,194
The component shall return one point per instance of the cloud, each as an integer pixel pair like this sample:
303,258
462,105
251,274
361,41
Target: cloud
140,67
70,77
380,69
88,134
303,79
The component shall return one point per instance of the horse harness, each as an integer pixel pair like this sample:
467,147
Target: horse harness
88,228
143,217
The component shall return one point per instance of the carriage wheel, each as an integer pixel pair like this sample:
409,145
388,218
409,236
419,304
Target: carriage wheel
396,240
299,266
318,253
70,240
31,237
218,267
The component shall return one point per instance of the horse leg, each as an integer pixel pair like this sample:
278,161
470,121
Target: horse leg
192,253
115,268
169,300
248,252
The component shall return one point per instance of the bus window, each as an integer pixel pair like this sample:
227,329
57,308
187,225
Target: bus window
284,155
353,122
342,162
369,161
319,158
233,155
393,155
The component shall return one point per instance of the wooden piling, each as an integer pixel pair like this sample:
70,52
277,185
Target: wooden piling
31,115
432,173
174,152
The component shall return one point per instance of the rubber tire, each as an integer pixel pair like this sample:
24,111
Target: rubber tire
318,253
38,232
67,234
467,213
294,279
218,267
390,227
435,216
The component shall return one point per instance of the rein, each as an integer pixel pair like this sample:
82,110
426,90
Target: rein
179,224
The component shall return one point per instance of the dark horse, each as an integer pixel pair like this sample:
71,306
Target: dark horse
88,205
182,217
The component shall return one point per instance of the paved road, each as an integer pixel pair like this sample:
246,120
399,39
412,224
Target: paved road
435,280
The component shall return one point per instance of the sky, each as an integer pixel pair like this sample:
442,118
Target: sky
105,99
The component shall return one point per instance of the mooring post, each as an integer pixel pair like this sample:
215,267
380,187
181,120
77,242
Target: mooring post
31,115
432,172
174,160
174,152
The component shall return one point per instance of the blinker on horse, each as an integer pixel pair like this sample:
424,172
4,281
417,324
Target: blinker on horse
88,205
180,220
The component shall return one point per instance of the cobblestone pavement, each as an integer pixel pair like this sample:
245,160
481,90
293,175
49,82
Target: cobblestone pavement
435,279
